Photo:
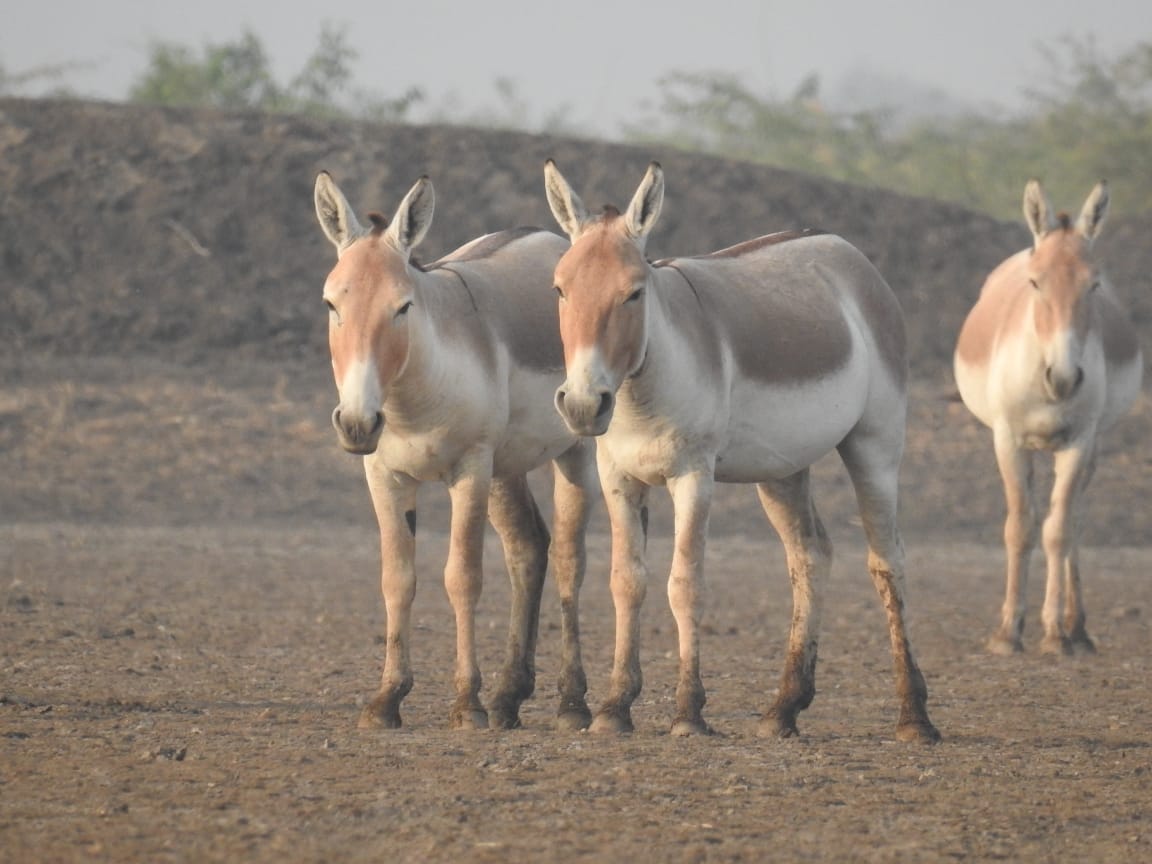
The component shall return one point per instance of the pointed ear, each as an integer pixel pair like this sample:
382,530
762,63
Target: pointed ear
566,205
413,217
335,214
1037,210
1092,215
646,203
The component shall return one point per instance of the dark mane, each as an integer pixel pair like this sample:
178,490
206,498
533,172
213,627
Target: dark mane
749,246
488,245
379,222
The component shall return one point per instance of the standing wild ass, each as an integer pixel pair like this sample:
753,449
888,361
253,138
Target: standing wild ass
1048,360
743,366
446,373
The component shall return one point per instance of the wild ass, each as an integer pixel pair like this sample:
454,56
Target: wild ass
445,373
1048,359
742,366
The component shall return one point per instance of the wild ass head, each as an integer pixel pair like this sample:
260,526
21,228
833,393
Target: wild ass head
371,296
602,281
1063,275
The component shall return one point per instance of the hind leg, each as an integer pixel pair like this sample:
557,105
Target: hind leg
516,518
788,505
873,462
574,481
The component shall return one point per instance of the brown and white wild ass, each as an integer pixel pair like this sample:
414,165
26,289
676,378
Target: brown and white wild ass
1048,359
744,366
446,373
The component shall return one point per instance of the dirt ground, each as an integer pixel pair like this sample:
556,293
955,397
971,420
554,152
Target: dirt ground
189,605
190,620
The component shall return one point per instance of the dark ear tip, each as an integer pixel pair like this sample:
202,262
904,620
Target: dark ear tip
549,162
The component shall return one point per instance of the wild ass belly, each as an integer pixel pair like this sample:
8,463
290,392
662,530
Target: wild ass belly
759,433
774,432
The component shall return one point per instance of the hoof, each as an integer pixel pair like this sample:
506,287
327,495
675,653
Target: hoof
504,716
373,716
773,726
611,724
683,728
472,719
1060,645
918,733
1082,644
573,718
1004,646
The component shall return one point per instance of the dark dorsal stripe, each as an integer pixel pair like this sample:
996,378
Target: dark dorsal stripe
487,246
749,246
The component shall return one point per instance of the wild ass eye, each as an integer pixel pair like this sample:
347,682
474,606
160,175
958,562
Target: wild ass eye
559,291
635,295
403,310
332,313
1095,286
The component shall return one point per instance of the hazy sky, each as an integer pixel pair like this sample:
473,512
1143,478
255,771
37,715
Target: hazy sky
600,58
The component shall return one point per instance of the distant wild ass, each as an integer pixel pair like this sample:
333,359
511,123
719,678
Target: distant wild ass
1048,359
743,366
446,373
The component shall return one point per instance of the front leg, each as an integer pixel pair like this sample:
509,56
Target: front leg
574,482
626,499
394,499
1019,539
1071,471
691,501
464,579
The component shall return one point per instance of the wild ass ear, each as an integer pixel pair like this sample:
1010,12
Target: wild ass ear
646,203
1037,210
1091,218
335,214
413,217
567,208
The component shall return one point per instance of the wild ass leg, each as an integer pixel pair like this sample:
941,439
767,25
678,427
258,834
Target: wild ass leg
574,476
1072,470
626,499
394,498
874,463
516,518
788,505
464,579
691,503
1074,614
1019,539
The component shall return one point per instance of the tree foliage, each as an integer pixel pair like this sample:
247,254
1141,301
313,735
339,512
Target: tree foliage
1091,118
238,75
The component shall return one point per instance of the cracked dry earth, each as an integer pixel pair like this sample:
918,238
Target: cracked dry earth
189,622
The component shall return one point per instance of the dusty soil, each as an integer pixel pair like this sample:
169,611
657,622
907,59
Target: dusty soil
189,611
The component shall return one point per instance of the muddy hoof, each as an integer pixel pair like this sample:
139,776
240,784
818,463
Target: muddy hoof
1082,644
918,733
1004,646
504,716
573,718
473,718
372,716
772,726
611,724
683,728
1061,645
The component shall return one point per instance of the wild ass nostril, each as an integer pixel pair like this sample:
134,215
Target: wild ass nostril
605,405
